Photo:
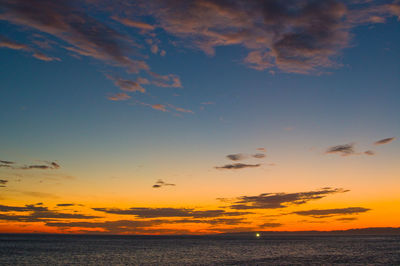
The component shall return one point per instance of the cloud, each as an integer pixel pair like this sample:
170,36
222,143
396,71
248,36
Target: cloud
270,225
259,155
369,152
346,219
119,97
47,165
6,162
170,80
281,200
236,166
161,183
5,43
134,24
127,85
169,212
293,36
84,34
44,57
236,157
65,204
37,213
3,182
332,212
343,150
262,149
384,141
159,107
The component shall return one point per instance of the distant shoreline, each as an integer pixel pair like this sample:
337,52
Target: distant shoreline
350,232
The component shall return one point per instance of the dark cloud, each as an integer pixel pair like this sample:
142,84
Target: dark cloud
346,219
161,183
37,213
236,157
293,36
169,212
332,212
3,182
384,141
84,34
259,155
270,225
47,165
65,204
236,166
281,200
343,150
6,162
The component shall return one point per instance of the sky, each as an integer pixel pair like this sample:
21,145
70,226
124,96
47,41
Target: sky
198,117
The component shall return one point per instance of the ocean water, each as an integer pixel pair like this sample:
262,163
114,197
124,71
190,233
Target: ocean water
195,250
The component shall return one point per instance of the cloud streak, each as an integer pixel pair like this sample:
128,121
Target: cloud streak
237,166
384,141
282,200
332,212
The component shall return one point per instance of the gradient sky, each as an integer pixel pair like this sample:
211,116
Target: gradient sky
163,117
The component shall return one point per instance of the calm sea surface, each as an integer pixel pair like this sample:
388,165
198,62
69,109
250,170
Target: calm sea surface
190,250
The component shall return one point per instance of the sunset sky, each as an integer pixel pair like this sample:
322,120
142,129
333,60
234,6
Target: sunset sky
197,117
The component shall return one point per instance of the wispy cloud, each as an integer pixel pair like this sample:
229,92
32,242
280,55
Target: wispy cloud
369,152
237,166
44,166
161,183
236,157
37,213
259,155
281,200
343,150
292,36
384,141
332,212
270,225
134,24
169,212
119,97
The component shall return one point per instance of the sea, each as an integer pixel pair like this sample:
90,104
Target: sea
198,250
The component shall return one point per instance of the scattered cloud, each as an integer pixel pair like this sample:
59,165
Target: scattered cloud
281,200
259,155
6,162
159,107
332,212
236,157
46,165
292,36
119,97
3,182
170,212
161,183
384,141
369,152
37,213
65,204
343,150
134,24
270,225
236,166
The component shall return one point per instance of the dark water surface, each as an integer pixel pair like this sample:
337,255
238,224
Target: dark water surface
192,250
